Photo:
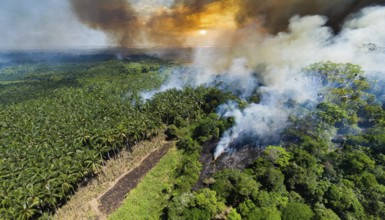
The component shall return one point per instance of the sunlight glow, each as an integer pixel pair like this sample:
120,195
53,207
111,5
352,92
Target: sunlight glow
202,32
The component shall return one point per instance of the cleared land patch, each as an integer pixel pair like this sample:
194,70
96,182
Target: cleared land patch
149,198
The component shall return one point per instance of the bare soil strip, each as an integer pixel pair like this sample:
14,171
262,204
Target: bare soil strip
113,198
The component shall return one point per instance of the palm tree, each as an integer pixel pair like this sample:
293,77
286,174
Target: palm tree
93,162
25,210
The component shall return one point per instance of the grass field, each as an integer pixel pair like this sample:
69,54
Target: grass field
148,199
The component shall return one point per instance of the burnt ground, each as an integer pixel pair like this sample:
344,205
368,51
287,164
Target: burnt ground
238,159
114,197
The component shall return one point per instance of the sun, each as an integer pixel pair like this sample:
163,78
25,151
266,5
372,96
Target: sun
202,32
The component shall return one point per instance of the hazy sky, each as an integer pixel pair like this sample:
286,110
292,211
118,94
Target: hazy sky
50,24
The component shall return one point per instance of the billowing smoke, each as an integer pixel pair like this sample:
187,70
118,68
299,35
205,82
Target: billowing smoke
272,65
174,22
141,23
117,18
275,14
279,60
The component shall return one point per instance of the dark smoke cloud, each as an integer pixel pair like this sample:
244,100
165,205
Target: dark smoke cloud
275,14
170,25
194,5
126,27
117,18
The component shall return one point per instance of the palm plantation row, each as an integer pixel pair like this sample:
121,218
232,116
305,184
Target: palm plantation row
52,143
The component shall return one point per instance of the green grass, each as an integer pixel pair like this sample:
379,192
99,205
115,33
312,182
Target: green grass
149,198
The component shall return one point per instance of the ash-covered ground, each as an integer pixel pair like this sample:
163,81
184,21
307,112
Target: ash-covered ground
238,159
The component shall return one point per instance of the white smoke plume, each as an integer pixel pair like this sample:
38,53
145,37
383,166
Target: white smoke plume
280,58
276,63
